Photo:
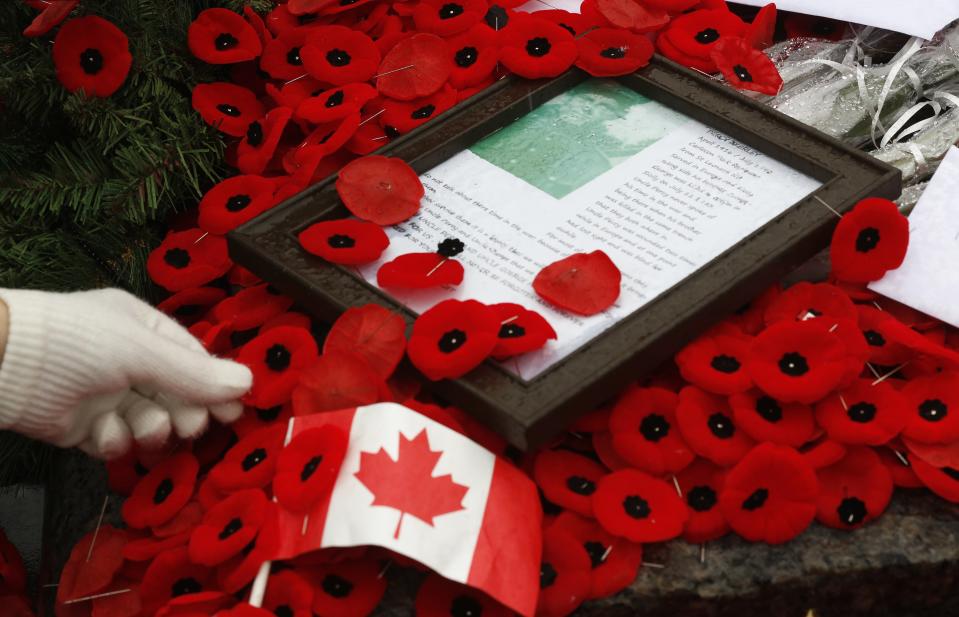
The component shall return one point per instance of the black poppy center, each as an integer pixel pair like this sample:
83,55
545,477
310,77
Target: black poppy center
465,606
91,61
177,258
952,473
228,110
538,47
341,241
283,611
163,491
707,36
185,586
867,240
636,507
861,412
496,17
933,410
466,57
278,358
293,57
253,459
231,528
547,575
613,53
423,112
793,364
237,203
725,364
580,485
875,339
701,498
338,57
310,468
596,552
852,511
225,41
743,73
721,425
654,427
511,330
452,340
254,134
450,247
756,500
450,10
768,409
269,414
334,99
337,586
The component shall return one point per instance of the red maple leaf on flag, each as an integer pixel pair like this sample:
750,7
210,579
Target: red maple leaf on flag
407,483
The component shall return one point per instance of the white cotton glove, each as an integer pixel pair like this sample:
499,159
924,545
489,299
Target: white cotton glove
100,369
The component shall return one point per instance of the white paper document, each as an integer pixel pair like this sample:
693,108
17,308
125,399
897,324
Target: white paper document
928,279
922,18
598,167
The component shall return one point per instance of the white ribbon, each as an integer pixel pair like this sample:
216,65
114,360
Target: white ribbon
907,52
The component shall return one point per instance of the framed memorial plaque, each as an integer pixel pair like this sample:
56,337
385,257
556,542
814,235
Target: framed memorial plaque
701,196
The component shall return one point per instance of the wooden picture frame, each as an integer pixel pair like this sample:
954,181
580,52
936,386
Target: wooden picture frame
529,413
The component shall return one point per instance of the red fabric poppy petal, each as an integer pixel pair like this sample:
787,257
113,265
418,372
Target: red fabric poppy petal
188,259
614,561
308,466
189,305
227,107
701,484
348,589
276,358
632,15
639,507
535,48
251,307
415,67
745,67
864,413
765,419
806,300
339,55
228,527
51,14
583,283
87,573
290,594
439,597
646,433
943,481
335,103
419,271
448,18
715,363
169,576
762,30
564,574
160,494
696,34
91,54
521,330
251,462
707,425
609,52
371,332
220,36
349,242
337,380
567,479
474,54
233,202
452,338
256,150
854,491
868,241
380,189
932,408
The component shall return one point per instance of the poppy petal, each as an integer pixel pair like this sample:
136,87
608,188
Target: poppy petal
350,242
160,494
91,54
567,479
227,107
639,507
233,202
452,338
307,467
583,283
868,241
220,36
417,66
646,433
336,380
419,271
380,189
854,491
372,332
521,330
707,425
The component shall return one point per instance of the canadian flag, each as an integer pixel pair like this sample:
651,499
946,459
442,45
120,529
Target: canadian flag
416,487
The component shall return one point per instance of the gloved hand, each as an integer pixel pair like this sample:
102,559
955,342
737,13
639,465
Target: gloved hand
99,369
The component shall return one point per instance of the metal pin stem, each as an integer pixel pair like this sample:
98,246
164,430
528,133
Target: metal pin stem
99,595
650,564
205,234
96,531
902,457
831,209
402,68
385,568
702,553
436,267
679,491
371,117
889,374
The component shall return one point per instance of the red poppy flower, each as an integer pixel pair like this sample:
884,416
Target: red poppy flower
521,330
564,574
868,241
228,527
380,189
188,259
169,576
338,55
51,14
196,604
373,333
765,419
324,140
822,452
347,589
608,52
882,347
474,55
932,408
447,18
745,67
452,338
251,462
294,92
943,481
707,425
417,66
574,23
307,467
646,433
567,479
233,202
701,484
799,25
583,283
237,573
639,507
863,413
185,520
288,594
227,107
614,561
534,48
85,572
714,362
142,550
91,54
797,361
335,103
189,305
337,380
345,241
901,470
251,307
439,597
281,56
804,301
220,36
422,270
256,149
691,38
276,359
404,116
162,492
255,418
854,491
770,495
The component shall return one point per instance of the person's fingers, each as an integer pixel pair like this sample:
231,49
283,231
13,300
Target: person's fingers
189,420
227,412
192,376
148,420
110,436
